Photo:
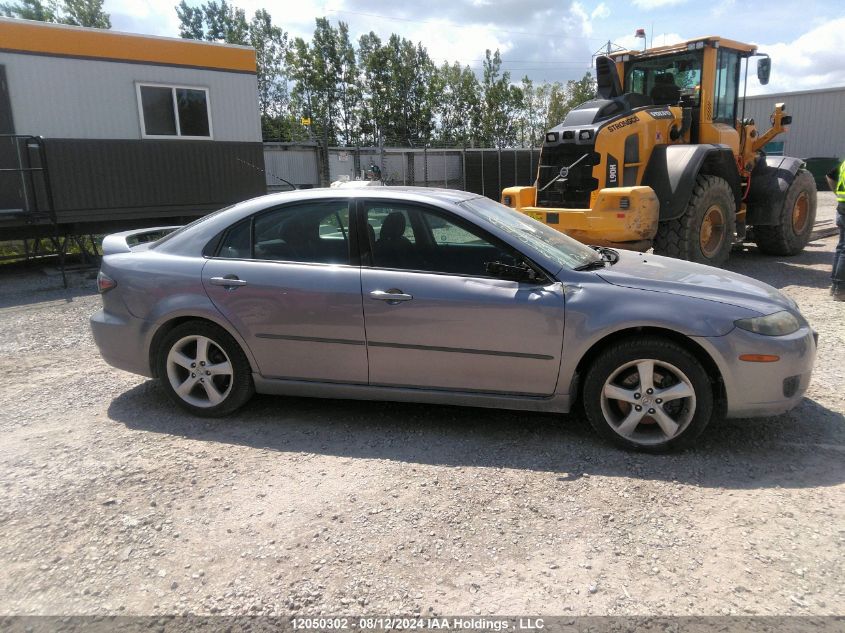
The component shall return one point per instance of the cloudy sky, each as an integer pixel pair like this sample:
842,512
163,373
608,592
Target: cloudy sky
554,40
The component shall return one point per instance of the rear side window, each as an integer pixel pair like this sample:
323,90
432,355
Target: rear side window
237,243
315,232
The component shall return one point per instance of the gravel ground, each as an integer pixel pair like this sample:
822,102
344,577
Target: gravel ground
115,502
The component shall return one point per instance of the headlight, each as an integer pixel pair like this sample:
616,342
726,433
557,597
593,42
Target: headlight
777,324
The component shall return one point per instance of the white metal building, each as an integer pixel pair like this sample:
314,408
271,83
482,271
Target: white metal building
818,121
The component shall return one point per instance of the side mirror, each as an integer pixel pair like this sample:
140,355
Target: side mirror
521,272
764,69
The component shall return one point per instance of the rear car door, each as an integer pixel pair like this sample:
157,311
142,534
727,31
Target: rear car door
436,319
283,279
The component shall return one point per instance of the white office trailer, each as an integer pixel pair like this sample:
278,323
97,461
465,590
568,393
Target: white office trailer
101,130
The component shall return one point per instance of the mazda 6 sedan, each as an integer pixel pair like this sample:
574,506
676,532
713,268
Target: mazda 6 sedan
441,296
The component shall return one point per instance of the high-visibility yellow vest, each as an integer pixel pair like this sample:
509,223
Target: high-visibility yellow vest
840,184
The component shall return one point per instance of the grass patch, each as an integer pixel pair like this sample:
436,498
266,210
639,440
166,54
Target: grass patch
15,250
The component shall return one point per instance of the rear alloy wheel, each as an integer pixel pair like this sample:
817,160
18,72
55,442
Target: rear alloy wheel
648,394
705,232
795,221
204,370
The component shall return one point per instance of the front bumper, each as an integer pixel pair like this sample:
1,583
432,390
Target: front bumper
620,216
756,389
120,341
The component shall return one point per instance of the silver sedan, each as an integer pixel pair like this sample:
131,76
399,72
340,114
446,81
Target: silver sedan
440,296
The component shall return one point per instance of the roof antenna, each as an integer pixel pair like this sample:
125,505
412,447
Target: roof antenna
264,171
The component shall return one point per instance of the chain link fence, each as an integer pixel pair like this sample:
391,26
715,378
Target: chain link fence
482,171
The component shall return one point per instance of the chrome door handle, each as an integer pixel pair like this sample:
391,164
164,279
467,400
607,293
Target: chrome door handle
227,281
391,296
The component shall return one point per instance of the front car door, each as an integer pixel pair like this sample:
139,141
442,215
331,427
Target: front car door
436,319
283,279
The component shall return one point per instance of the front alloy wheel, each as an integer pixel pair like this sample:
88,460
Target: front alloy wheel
648,394
648,401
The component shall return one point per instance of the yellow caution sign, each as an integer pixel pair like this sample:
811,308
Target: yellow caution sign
305,120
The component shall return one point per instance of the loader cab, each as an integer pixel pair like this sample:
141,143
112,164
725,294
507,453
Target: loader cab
669,80
702,74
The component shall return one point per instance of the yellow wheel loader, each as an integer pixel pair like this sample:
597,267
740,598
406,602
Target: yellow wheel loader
663,159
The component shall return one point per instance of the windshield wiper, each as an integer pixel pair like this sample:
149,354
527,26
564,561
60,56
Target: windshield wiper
607,254
593,265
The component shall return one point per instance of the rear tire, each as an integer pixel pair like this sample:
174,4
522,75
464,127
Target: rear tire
204,370
705,232
671,415
795,220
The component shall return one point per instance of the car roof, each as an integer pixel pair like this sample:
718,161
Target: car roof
370,191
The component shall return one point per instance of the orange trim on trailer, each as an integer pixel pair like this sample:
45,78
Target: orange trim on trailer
25,36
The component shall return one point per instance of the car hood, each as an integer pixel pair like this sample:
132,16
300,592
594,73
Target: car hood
664,274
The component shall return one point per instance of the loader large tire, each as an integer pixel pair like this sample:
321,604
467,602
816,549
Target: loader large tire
795,220
705,232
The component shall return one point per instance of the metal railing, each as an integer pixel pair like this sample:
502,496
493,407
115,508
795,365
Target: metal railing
35,192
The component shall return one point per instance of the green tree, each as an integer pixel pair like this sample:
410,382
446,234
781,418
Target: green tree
458,108
327,85
582,90
31,10
300,71
213,22
375,88
75,12
313,91
270,43
562,99
501,102
348,86
535,107
325,60
85,13
399,90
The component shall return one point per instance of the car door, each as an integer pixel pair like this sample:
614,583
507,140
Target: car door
434,317
283,279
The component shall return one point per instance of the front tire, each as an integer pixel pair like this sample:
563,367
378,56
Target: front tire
795,221
705,232
648,394
204,370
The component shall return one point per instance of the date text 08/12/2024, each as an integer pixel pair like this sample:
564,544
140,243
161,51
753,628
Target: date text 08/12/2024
409,624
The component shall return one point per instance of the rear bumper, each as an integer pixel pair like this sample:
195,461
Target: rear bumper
120,341
619,216
763,389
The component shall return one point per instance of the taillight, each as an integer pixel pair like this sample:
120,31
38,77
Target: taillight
104,282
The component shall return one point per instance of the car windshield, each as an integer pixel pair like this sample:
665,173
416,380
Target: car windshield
551,243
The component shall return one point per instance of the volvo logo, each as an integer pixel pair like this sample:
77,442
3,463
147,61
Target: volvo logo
564,172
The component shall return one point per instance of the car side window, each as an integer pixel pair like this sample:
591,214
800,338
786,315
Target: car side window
311,232
237,242
408,237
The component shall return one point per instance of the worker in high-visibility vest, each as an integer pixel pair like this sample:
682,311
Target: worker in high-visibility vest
836,180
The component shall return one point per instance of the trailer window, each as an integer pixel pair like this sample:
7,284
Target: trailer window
174,111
